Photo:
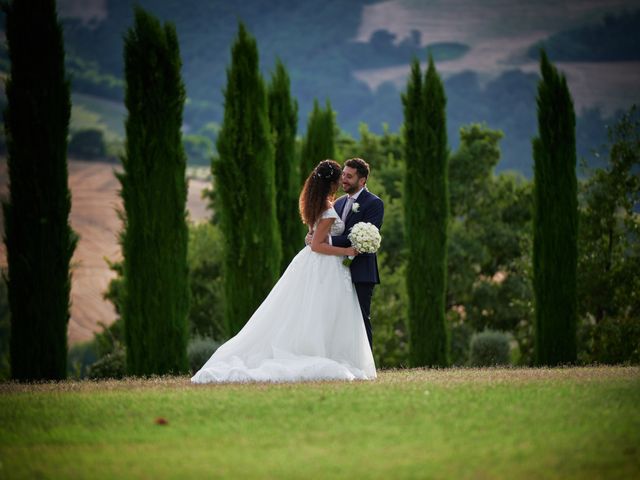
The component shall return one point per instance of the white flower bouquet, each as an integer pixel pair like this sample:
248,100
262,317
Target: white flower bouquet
365,238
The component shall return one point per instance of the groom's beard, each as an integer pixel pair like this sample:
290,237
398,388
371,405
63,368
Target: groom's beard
350,190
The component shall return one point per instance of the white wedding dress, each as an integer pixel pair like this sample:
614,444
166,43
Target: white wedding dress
309,327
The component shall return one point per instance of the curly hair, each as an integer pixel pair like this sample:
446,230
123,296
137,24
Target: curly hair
360,165
321,184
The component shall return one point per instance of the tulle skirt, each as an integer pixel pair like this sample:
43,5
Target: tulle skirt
309,327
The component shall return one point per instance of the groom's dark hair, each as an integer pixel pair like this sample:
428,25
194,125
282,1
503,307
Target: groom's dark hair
360,165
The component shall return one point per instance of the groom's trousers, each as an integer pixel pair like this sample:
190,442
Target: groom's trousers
365,292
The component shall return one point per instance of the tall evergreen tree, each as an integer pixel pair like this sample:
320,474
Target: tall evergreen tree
555,220
38,237
319,142
283,117
154,193
245,187
426,202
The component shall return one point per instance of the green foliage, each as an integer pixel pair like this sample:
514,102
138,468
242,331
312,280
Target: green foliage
319,142
205,260
115,290
283,117
555,221
614,38
490,235
38,236
110,339
321,58
320,53
87,144
154,190
489,348
198,148
5,329
383,50
489,257
471,168
613,340
388,307
80,358
199,350
609,250
87,77
426,207
385,155
245,192
460,335
112,365
206,312
489,248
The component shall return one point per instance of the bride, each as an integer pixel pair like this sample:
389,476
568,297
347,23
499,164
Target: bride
310,326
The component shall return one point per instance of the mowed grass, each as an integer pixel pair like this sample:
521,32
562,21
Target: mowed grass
458,423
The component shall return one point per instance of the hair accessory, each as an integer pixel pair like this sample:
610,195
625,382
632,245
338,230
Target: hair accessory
329,175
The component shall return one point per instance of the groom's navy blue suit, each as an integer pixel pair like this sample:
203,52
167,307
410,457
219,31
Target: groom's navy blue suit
364,268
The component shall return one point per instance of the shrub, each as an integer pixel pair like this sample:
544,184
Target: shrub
205,257
5,329
611,341
87,144
199,350
199,149
489,348
460,337
112,365
80,358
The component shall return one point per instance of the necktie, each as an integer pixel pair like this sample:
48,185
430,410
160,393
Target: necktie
347,208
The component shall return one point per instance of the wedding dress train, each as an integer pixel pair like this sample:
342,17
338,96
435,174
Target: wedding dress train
309,327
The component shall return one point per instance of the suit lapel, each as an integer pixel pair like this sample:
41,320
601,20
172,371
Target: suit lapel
362,197
342,201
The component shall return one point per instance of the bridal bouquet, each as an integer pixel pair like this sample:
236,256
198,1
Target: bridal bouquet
365,238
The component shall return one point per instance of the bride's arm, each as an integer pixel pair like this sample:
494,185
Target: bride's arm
319,242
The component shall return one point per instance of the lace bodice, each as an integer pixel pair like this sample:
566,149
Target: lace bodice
337,228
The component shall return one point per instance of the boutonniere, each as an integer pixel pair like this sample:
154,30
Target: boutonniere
355,208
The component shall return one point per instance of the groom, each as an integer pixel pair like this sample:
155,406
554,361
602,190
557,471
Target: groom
359,205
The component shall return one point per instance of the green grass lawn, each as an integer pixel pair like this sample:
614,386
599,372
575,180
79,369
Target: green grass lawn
459,423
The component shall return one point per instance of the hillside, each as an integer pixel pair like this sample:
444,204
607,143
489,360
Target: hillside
94,191
356,54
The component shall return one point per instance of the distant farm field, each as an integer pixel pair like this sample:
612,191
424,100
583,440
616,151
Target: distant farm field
95,200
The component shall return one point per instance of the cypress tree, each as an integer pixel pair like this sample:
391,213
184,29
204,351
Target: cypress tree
319,143
555,221
245,187
283,117
154,193
39,240
426,203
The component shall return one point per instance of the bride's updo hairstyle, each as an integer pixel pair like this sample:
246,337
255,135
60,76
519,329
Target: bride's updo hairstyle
321,184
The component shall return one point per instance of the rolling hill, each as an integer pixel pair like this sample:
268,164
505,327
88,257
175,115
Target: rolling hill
94,192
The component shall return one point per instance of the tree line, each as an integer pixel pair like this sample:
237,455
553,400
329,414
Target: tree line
257,176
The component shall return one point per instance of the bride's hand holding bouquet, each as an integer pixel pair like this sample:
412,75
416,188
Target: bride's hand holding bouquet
365,238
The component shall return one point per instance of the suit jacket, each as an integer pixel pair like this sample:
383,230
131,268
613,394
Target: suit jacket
364,268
